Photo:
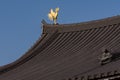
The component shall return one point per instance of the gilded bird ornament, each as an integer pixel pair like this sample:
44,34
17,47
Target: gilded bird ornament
52,15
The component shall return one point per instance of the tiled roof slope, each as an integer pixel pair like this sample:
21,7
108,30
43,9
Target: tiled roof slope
69,51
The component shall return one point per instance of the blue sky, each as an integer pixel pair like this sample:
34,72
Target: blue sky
20,20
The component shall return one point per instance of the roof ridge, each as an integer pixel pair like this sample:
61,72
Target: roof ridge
49,28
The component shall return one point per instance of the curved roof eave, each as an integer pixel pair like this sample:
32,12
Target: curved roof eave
24,58
32,52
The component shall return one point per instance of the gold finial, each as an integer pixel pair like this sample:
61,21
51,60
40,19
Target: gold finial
52,15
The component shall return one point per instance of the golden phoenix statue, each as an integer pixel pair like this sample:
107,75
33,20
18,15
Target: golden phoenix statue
52,15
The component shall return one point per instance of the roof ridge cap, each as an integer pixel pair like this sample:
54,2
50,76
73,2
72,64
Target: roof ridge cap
50,28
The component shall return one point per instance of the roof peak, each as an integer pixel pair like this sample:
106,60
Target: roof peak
49,28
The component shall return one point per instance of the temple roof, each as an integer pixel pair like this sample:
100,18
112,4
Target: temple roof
69,50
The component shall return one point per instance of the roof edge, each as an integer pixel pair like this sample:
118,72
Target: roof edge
40,45
23,58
